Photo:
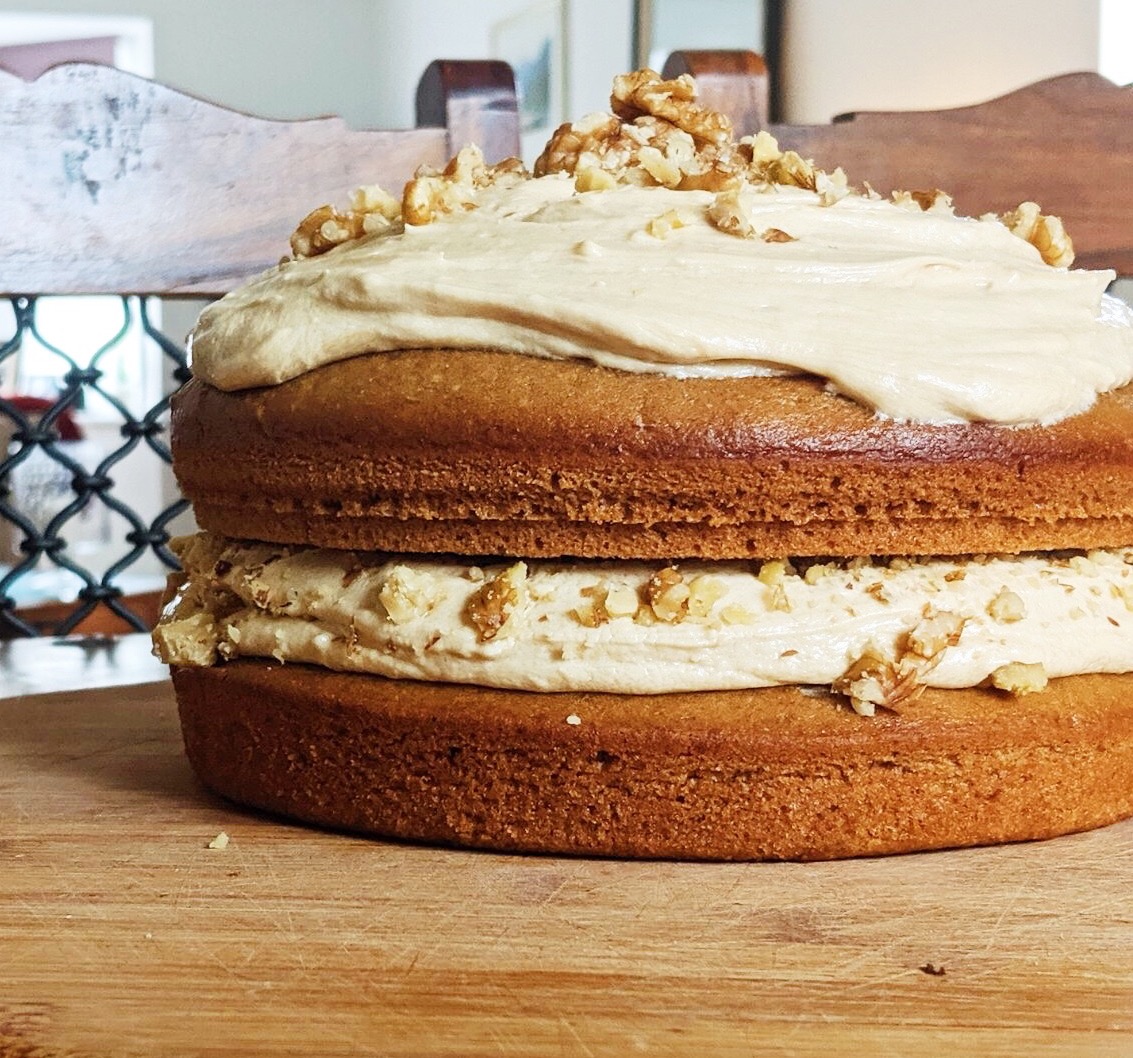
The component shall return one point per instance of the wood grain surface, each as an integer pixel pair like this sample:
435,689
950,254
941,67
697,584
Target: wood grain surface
123,933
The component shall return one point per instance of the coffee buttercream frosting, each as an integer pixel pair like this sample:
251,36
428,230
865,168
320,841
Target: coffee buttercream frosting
632,262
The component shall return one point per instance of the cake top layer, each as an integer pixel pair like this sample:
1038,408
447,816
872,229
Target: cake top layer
651,240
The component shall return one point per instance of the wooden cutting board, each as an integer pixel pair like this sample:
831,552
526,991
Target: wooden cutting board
123,933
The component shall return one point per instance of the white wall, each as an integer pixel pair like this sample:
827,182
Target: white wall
360,59
275,58
896,55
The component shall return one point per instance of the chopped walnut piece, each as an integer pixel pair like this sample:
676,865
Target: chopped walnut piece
593,613
659,227
793,170
875,679
774,574
321,230
877,591
605,603
1007,607
934,201
372,210
1045,234
703,594
621,601
667,595
769,164
407,593
430,194
594,178
832,187
569,142
492,608
728,214
818,570
776,235
1019,678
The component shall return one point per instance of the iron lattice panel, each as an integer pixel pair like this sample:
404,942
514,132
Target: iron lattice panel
38,543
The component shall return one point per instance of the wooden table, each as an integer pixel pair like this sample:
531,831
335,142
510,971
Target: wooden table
123,932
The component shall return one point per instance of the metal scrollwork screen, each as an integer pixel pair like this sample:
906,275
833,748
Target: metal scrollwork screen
86,496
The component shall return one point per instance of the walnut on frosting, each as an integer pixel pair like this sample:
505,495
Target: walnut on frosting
371,210
645,94
430,193
658,135
1045,233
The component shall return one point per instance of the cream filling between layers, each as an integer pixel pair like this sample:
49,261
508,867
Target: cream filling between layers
920,315
639,628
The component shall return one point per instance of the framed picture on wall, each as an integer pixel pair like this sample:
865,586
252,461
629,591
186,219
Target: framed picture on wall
531,41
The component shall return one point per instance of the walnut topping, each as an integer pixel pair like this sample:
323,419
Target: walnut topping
604,603
431,193
776,235
877,591
593,613
493,607
728,214
372,210
645,94
875,679
1045,234
1019,678
659,227
657,136
831,187
934,201
594,178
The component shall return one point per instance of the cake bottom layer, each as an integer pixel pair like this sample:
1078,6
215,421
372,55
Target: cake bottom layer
777,773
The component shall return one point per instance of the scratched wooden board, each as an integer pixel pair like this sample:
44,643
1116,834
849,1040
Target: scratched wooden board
122,932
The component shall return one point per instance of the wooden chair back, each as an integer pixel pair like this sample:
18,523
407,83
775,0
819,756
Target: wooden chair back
113,184
1065,142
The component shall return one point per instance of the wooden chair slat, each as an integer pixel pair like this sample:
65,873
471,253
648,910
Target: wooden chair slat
735,83
111,183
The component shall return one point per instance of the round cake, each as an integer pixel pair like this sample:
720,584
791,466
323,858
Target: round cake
676,501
